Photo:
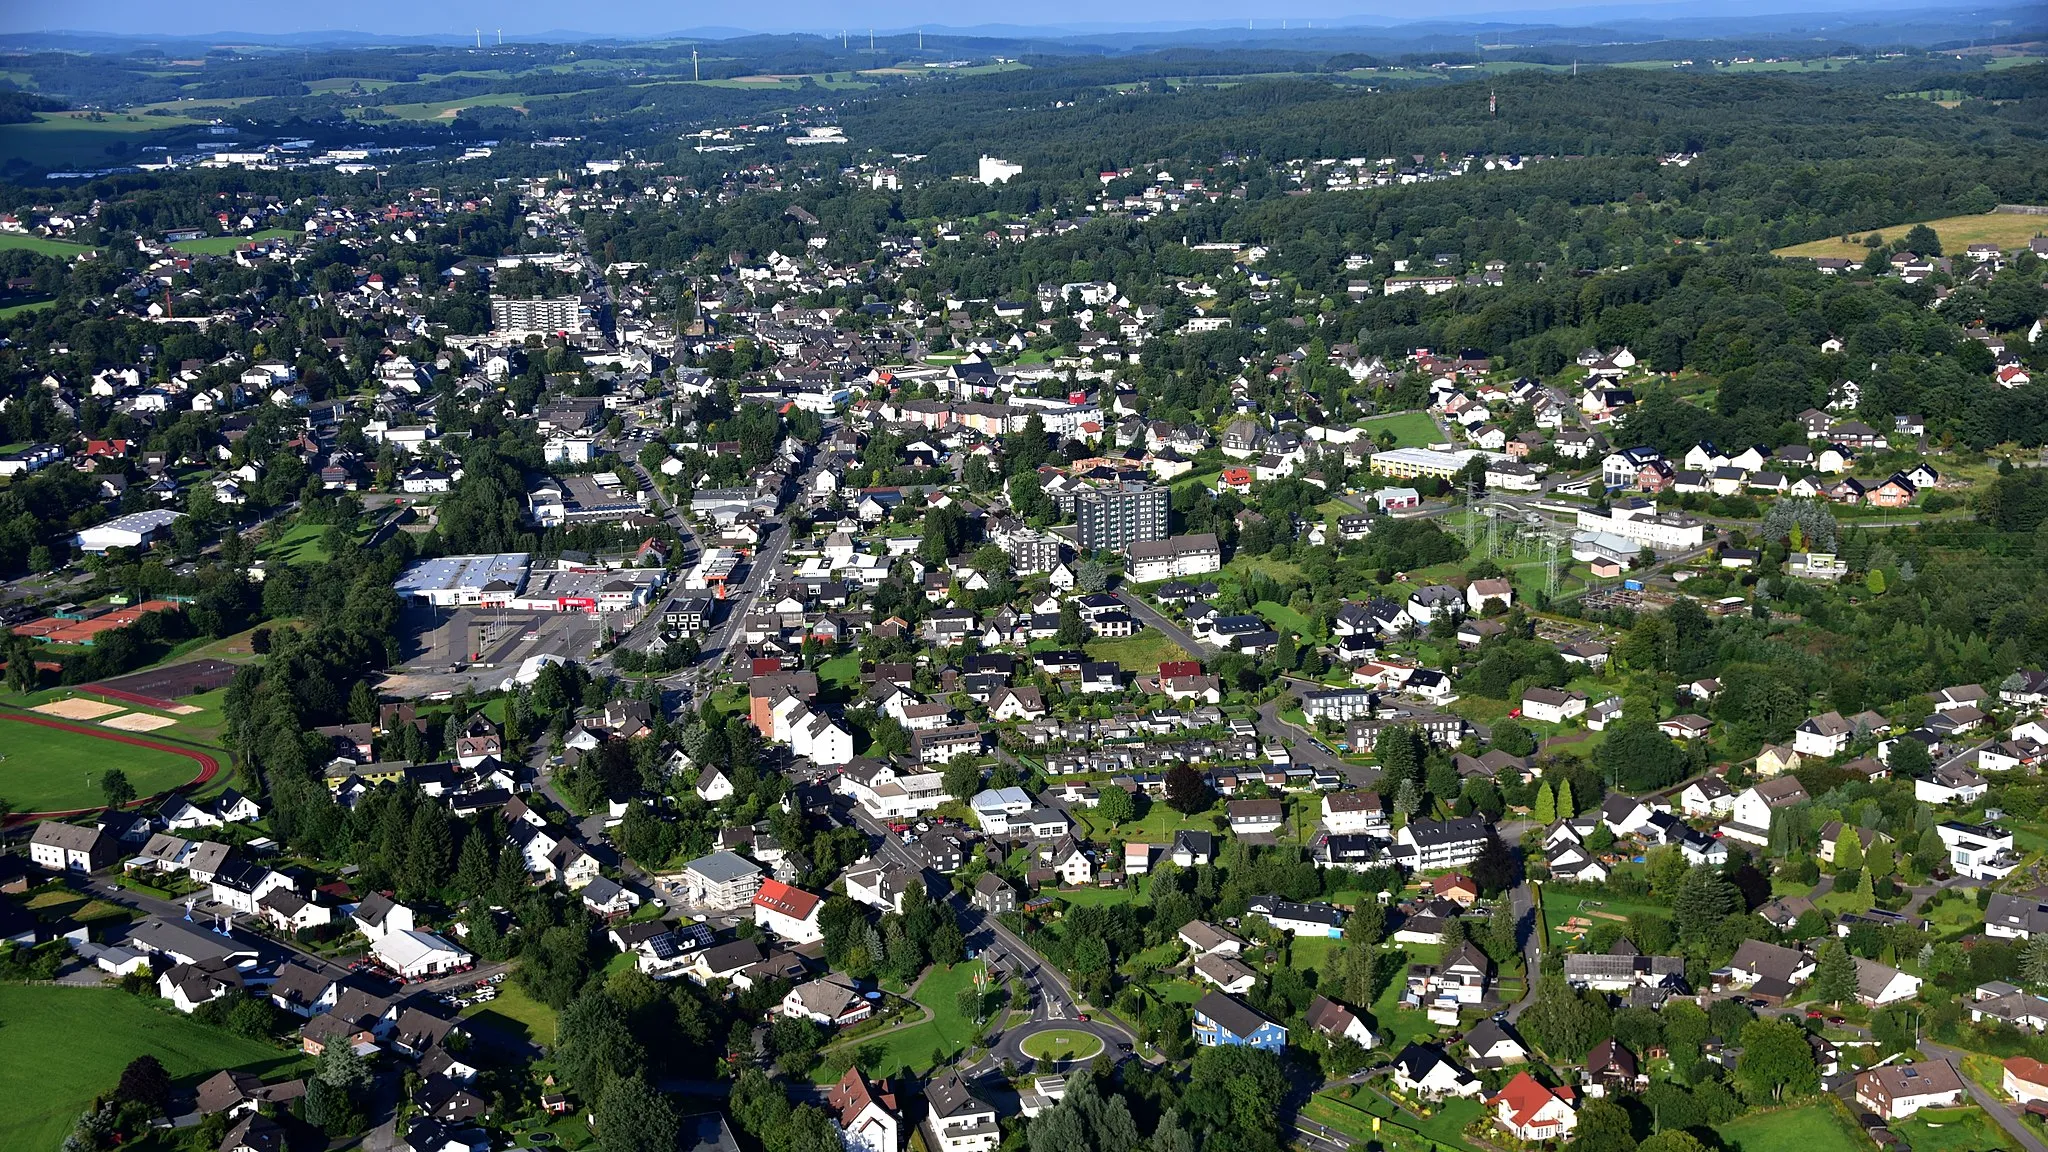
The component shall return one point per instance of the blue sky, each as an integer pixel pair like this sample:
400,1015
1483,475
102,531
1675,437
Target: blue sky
650,17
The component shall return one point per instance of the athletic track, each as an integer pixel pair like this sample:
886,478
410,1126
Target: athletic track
208,766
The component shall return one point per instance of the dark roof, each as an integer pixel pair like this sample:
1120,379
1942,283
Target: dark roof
1233,1015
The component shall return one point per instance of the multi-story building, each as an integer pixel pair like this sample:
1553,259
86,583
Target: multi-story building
543,316
1121,515
1193,555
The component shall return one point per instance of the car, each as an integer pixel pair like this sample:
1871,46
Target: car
1083,1017
1814,1014
1836,1020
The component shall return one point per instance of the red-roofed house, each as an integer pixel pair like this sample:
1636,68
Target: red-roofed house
1530,1110
1174,668
1235,480
790,913
1456,887
868,1117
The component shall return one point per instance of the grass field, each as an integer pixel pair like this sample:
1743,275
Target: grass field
51,1067
1061,1044
63,141
1560,905
1410,429
516,1013
1351,1111
1143,653
62,249
1156,826
12,310
222,245
1957,233
51,770
1813,1128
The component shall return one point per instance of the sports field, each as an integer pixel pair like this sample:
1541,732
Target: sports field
1957,233
52,1068
56,770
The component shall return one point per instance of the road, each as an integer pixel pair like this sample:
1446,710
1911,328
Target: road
1987,1100
1522,902
1151,618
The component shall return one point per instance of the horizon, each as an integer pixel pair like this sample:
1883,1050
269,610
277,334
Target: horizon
640,20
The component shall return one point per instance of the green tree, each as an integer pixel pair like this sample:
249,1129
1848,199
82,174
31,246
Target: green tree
1702,901
1672,1140
1834,977
1546,805
633,1117
115,787
1566,806
1848,848
594,1045
1602,1127
146,1082
1073,631
1776,1061
1116,805
2034,960
963,778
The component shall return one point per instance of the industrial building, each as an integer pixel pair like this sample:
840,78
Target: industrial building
135,530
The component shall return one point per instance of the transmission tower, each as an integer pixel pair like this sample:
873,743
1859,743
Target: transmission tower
1550,565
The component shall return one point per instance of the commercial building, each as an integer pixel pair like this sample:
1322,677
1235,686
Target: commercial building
1120,515
1639,522
992,171
721,880
1424,462
455,580
135,530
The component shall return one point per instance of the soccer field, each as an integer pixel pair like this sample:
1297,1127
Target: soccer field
55,770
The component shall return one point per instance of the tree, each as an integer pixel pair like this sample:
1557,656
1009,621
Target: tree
1073,631
116,788
1834,977
1776,1059
1116,805
594,1045
1564,1023
1513,739
1848,848
1702,901
146,1082
1672,1140
963,778
633,1117
1602,1127
1566,808
1545,806
1187,790
2034,960
1494,868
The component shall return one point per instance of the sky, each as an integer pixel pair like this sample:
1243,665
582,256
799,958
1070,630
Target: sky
653,17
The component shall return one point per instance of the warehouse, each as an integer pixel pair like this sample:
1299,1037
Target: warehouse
135,530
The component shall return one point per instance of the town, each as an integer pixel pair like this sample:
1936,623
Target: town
806,625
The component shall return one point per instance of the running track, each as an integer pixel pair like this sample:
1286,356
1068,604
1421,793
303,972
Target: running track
208,766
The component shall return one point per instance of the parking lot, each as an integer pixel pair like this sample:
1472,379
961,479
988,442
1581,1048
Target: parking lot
494,638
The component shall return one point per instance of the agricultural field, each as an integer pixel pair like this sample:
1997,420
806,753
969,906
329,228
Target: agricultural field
2007,230
52,1068
42,246
61,140
51,770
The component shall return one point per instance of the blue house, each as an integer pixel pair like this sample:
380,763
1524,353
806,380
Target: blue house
1222,1019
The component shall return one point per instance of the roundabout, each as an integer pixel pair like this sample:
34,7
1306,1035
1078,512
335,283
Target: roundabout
1058,1045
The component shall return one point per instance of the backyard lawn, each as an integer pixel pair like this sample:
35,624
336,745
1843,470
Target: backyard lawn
1142,653
1952,1130
1813,1128
222,245
51,1067
50,770
1560,906
516,1013
910,1049
1155,827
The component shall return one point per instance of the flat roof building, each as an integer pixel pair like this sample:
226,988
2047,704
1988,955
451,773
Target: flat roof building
135,530
455,580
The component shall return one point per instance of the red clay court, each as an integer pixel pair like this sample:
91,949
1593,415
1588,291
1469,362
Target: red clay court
164,687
